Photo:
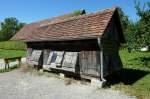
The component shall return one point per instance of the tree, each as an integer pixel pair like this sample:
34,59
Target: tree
128,28
142,32
9,28
124,19
137,33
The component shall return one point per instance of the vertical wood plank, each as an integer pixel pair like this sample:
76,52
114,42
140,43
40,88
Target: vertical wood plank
89,62
29,53
70,59
45,56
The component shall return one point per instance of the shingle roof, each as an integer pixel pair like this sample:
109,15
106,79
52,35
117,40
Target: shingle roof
72,28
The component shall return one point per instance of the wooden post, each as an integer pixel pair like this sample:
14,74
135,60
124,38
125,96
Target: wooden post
45,56
19,60
6,63
5,66
29,52
46,53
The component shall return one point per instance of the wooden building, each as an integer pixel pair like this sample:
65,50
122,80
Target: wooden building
86,45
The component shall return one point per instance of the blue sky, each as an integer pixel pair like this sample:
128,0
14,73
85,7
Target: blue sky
33,10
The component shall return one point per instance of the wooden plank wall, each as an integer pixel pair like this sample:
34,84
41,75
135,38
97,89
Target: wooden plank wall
29,53
112,63
46,53
90,63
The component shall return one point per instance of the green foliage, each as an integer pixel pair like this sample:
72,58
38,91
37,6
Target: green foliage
143,30
137,34
74,13
130,35
9,28
12,53
128,29
13,45
78,12
124,19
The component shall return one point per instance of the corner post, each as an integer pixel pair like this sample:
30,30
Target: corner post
101,60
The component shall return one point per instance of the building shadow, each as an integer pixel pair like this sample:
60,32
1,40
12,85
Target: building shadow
126,76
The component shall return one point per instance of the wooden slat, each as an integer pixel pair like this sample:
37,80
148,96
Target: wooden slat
70,59
89,61
45,56
49,58
55,58
29,53
59,57
36,55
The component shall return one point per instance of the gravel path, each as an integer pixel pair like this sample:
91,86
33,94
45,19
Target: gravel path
20,85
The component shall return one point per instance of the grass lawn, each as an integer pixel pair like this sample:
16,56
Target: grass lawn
12,53
12,45
135,77
136,60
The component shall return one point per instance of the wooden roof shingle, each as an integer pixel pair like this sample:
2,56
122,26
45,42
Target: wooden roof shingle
84,26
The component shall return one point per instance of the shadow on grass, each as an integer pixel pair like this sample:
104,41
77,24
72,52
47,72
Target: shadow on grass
126,76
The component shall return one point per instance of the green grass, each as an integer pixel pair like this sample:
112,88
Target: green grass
135,77
12,53
12,45
136,60
10,49
9,69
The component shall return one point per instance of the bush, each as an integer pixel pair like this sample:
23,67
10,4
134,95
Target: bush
13,45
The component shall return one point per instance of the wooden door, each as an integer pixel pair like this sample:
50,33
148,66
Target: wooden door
90,63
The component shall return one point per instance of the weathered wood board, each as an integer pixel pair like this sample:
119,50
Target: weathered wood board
90,63
29,52
59,58
70,59
49,58
36,55
55,58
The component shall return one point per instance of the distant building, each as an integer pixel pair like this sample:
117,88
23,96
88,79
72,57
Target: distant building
86,45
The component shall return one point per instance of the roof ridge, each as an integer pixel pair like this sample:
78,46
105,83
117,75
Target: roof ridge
82,11
86,15
82,16
75,17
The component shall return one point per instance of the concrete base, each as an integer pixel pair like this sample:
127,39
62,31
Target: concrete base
97,83
45,67
41,70
61,75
